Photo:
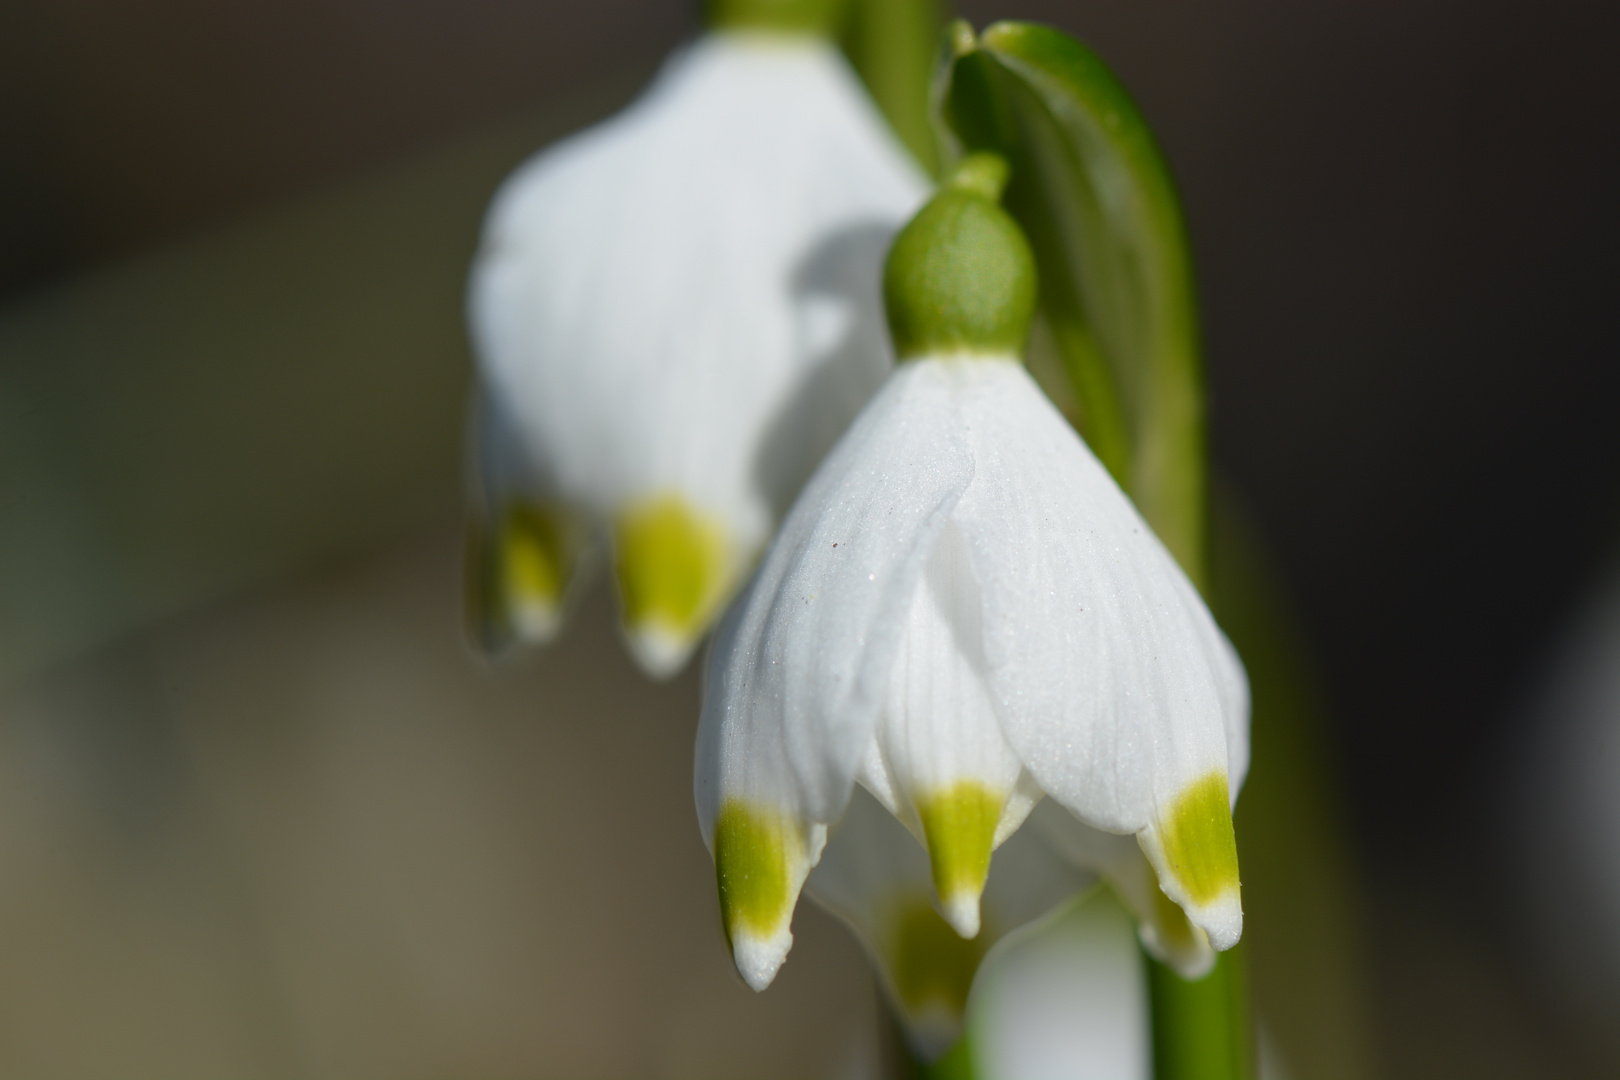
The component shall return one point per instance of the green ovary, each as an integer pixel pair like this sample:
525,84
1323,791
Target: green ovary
959,825
536,547
755,850
1198,842
670,562
960,277
932,964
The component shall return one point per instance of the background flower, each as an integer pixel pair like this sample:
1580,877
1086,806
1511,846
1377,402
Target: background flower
675,313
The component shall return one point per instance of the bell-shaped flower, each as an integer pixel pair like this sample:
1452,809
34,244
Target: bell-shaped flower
964,616
675,314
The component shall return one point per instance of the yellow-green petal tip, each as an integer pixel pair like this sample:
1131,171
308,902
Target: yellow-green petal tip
959,828
520,569
672,564
759,863
1194,852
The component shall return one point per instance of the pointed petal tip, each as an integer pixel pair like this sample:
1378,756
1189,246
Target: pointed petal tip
659,651
1221,920
758,959
521,570
1194,856
761,858
673,567
961,910
534,622
959,827
1188,954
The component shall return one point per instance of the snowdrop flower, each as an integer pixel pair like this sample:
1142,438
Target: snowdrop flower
963,620
1560,816
674,315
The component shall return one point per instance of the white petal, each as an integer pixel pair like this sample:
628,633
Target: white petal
653,296
938,760
875,876
1110,671
1164,928
1234,692
1114,685
659,652
761,860
1028,880
800,664
529,553
1069,1002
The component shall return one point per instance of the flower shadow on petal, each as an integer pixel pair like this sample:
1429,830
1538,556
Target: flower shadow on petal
837,299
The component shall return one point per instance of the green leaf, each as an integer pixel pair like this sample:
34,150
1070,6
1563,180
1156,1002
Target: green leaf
1118,307
1092,191
891,44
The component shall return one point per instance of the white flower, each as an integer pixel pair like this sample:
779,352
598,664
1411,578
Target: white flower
964,613
675,314
1069,1002
966,618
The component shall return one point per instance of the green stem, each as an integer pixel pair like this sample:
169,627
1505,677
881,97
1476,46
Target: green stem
1201,1028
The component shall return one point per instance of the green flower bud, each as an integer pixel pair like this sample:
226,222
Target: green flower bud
961,276
775,16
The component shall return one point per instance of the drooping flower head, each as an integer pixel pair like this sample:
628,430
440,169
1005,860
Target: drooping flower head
965,618
674,316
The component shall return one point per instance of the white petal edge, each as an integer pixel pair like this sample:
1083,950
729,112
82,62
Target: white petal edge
1165,930
1113,682
801,662
631,375
937,740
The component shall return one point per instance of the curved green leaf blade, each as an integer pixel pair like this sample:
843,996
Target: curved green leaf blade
890,43
1094,194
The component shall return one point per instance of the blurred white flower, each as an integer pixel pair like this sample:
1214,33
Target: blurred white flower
963,615
675,314
1559,813
1067,1002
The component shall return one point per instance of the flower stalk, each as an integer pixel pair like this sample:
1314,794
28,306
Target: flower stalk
1202,1029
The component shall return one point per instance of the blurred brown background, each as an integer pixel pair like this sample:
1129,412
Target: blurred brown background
259,815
